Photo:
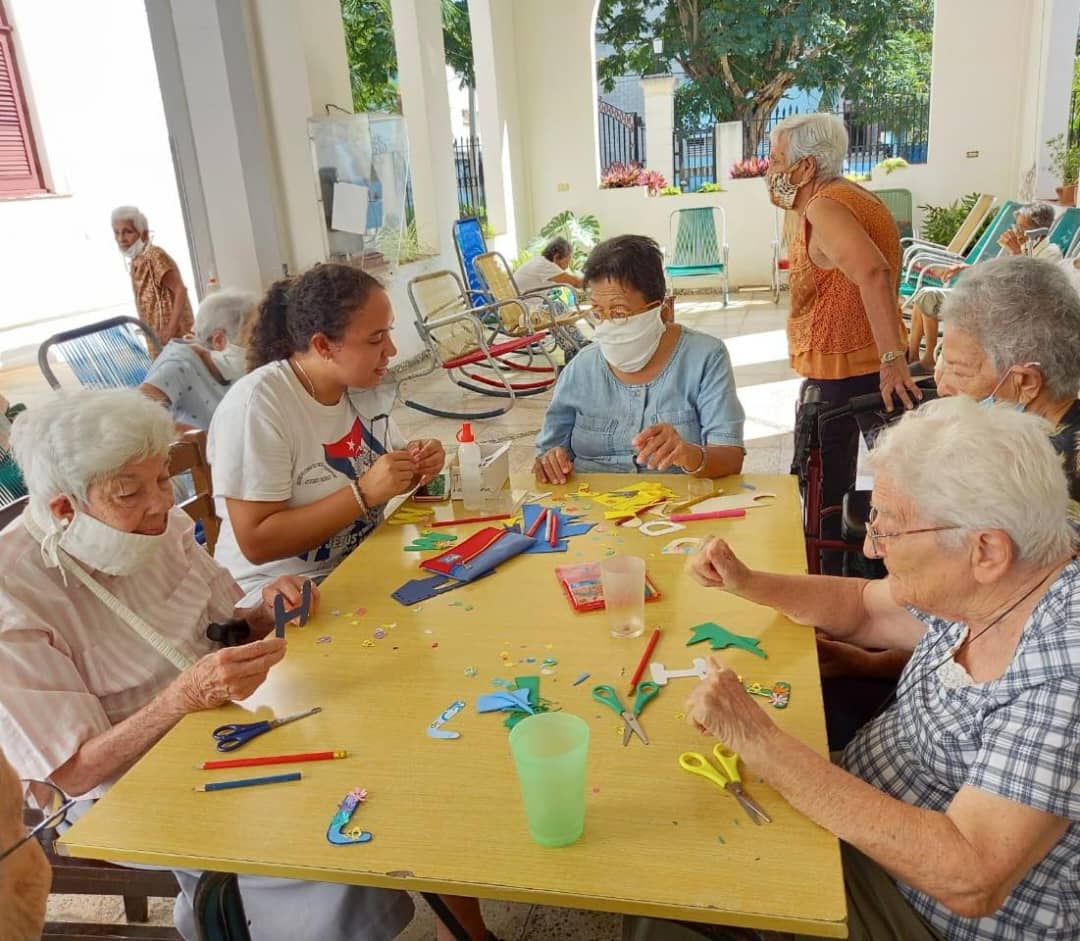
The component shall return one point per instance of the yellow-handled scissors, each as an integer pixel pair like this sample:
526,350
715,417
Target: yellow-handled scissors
726,777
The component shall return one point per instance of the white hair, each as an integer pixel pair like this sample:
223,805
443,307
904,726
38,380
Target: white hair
819,135
130,214
227,310
72,440
978,468
1021,310
1040,214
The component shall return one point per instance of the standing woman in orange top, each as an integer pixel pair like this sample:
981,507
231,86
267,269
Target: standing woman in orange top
845,333
160,296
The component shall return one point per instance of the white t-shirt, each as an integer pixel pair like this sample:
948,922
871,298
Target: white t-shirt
270,441
536,274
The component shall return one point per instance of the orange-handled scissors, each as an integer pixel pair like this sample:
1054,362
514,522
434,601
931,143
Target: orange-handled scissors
726,777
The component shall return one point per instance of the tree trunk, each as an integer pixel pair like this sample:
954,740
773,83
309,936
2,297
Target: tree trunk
755,119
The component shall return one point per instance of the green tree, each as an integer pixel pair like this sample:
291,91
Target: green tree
741,56
369,45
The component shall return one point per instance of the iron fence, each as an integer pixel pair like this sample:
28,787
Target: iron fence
622,136
469,166
878,128
694,157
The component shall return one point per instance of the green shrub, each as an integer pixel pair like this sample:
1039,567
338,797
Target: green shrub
710,188
940,223
671,191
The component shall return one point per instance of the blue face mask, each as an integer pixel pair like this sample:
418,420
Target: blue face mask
989,400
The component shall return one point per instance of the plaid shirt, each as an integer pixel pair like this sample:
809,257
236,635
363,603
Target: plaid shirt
1017,736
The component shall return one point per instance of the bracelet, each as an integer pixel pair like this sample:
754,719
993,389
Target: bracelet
701,465
364,508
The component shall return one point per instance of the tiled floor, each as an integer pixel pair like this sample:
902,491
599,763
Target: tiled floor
754,331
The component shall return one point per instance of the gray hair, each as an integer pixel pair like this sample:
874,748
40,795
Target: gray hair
981,468
1041,214
227,310
1021,310
557,248
819,135
72,440
130,214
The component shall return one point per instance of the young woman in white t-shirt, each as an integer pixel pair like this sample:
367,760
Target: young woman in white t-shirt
303,449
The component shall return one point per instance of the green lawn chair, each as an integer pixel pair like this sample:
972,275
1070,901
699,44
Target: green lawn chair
1063,233
899,203
701,248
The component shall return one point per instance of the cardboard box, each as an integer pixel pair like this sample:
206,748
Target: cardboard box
494,470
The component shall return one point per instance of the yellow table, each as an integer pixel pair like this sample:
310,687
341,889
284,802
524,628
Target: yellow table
446,815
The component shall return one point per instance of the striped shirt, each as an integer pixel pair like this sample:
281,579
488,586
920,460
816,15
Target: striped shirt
1017,736
70,669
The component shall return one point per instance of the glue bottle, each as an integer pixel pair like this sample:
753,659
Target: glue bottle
469,467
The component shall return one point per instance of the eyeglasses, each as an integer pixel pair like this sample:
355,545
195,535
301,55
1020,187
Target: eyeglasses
45,807
616,314
875,536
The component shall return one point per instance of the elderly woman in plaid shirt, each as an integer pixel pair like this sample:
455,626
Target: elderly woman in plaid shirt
959,804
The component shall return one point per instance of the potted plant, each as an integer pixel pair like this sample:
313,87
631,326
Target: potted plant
1065,162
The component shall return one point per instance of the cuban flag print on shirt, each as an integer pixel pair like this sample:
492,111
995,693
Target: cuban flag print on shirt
352,457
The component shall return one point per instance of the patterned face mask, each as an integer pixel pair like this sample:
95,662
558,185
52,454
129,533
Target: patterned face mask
782,190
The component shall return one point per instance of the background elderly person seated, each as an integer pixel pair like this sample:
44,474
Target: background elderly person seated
24,870
1035,218
548,269
105,599
160,296
647,394
959,804
191,378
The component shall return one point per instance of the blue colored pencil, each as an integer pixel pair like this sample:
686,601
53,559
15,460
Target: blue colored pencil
250,782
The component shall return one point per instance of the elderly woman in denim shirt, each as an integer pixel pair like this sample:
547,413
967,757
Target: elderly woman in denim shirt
648,394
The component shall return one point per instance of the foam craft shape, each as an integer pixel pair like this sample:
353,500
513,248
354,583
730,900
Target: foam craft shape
404,515
737,501
506,699
436,730
685,545
569,526
720,638
299,613
660,674
336,833
430,542
660,528
632,499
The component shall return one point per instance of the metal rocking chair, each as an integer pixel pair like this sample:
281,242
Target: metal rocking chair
105,355
701,246
458,338
469,243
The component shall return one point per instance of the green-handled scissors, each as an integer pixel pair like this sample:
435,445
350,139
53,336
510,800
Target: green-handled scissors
727,777
646,690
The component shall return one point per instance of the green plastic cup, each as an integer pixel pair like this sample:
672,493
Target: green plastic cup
550,752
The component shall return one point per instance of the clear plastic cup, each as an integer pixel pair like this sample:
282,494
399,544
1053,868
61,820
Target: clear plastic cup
550,752
623,577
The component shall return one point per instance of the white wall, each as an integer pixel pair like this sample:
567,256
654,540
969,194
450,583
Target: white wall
95,100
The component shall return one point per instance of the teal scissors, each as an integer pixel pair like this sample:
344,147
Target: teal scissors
231,737
645,691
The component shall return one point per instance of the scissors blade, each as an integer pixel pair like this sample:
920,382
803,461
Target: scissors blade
632,725
275,723
752,808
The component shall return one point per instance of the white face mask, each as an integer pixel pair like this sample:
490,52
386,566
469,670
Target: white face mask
133,249
99,546
630,344
231,362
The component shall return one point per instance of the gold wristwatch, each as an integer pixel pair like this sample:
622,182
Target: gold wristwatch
891,357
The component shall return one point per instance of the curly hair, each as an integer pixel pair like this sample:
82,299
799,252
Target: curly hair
321,300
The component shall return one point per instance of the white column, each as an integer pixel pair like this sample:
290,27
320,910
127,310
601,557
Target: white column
659,123
728,147
1056,51
492,27
426,105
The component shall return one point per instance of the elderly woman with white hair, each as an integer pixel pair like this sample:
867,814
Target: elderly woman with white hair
160,296
845,332
191,378
1028,235
959,804
105,604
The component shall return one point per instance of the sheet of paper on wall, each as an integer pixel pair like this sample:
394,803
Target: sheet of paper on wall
350,208
864,480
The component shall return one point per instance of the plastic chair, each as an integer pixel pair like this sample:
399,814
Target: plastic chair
219,909
547,312
701,246
454,335
469,244
899,203
781,263
105,355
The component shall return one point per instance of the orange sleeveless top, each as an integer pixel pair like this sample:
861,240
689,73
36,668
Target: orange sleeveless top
829,334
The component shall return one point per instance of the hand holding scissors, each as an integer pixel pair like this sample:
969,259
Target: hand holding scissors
230,737
645,691
726,777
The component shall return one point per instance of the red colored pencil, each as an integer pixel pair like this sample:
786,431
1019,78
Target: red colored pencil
553,529
471,519
271,760
531,531
649,648
714,515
